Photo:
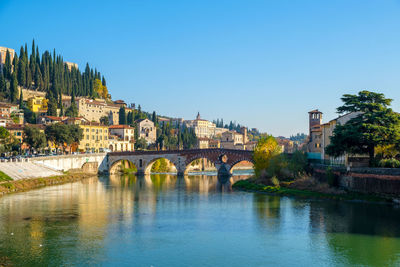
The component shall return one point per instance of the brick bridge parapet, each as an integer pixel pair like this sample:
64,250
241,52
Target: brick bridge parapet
223,159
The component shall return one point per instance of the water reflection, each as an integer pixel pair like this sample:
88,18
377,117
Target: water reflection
169,220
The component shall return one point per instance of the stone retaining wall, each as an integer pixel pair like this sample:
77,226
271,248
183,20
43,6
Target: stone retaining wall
366,180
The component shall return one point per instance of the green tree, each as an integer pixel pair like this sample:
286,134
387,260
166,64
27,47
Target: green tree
13,88
104,120
3,87
374,125
141,143
63,135
21,100
34,138
122,116
6,140
7,66
267,148
72,110
154,118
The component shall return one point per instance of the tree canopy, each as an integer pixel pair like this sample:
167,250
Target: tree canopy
374,125
48,72
34,138
63,135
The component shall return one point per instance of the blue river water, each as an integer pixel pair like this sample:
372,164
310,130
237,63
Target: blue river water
196,220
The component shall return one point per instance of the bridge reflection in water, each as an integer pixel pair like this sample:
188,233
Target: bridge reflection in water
200,183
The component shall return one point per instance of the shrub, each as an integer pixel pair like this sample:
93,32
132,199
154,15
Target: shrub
275,181
276,165
389,163
298,163
330,177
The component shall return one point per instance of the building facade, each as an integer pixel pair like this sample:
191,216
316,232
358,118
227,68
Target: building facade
95,137
3,53
121,138
147,130
37,104
202,128
93,110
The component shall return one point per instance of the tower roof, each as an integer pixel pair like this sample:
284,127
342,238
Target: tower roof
315,111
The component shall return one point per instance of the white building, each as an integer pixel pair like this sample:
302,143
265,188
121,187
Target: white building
202,128
147,130
121,138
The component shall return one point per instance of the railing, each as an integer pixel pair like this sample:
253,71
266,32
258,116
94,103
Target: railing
328,162
147,152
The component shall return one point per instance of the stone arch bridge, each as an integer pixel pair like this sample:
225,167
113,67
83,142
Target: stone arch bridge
223,159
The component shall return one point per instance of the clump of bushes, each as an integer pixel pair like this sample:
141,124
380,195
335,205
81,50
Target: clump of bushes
275,181
330,177
389,163
270,165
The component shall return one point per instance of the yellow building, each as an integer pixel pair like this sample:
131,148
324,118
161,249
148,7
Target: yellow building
37,104
95,137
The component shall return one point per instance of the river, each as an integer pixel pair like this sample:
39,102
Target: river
197,220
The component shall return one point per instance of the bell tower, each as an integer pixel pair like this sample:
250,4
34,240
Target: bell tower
315,119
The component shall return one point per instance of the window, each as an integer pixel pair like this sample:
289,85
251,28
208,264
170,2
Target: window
87,137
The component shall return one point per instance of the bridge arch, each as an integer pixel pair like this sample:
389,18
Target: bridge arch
150,164
236,163
203,162
120,165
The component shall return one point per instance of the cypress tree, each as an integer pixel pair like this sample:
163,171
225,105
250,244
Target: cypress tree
122,116
13,88
21,72
2,83
14,67
130,118
7,66
21,100
154,118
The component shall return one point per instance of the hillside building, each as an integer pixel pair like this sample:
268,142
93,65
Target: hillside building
95,137
3,53
147,130
37,104
121,138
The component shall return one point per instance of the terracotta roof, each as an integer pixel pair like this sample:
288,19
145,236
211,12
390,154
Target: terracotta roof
120,127
315,111
54,118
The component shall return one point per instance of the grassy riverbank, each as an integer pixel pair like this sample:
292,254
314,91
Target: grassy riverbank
288,189
9,186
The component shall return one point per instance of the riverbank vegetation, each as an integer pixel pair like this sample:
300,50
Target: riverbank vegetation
278,174
10,186
306,188
4,177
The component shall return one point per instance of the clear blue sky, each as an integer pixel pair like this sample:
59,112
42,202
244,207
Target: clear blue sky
264,64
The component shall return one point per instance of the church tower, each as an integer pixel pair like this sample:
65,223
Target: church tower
315,119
